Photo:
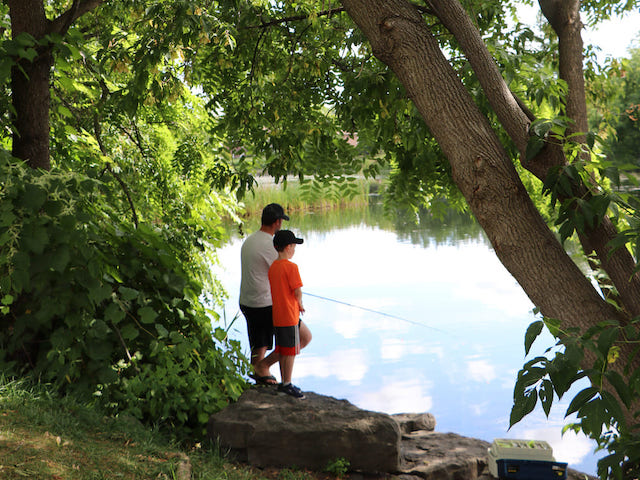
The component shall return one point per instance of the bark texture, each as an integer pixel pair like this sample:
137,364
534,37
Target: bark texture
30,80
30,87
564,18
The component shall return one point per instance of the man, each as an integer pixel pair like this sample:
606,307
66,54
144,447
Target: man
256,255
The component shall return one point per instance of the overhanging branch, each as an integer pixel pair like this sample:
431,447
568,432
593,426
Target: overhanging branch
296,18
78,8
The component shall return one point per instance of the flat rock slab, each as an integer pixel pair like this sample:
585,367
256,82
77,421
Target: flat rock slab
448,456
268,429
442,456
265,428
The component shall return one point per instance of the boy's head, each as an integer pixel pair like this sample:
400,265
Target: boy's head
283,238
272,213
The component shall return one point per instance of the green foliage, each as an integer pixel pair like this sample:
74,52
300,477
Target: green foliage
338,467
624,105
100,308
600,414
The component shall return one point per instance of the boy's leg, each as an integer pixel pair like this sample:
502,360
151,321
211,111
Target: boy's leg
305,334
288,343
286,367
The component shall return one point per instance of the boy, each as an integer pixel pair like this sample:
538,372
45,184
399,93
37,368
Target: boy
257,255
291,334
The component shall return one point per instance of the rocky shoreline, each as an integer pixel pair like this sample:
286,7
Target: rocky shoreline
266,429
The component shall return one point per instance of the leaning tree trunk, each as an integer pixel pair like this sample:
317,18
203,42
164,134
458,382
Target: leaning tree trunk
480,166
514,117
30,87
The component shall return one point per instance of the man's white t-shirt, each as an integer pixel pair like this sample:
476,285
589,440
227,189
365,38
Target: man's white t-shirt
256,256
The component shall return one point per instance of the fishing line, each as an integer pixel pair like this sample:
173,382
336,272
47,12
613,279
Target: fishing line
413,322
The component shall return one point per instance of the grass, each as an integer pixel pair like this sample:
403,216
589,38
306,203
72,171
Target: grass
310,196
44,436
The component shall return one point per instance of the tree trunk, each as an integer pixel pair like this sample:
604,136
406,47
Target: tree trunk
480,166
30,87
618,264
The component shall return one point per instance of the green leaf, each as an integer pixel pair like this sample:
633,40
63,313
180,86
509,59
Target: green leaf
99,350
129,331
553,325
99,293
612,405
60,259
581,399
534,146
35,238
147,314
114,313
546,396
522,407
29,53
34,197
220,334
606,340
621,387
127,293
162,331
532,333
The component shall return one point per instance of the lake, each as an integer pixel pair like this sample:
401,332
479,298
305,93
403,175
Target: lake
413,318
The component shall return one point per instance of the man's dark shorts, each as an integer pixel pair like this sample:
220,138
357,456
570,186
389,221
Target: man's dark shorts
259,326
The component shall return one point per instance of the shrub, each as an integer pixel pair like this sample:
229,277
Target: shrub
100,307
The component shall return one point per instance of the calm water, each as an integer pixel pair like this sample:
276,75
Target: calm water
454,351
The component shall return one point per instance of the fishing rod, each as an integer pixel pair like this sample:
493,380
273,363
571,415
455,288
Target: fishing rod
413,322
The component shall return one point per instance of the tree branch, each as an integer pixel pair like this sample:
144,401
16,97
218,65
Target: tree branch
296,18
512,116
323,13
78,8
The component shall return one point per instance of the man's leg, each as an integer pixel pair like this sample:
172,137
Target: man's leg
257,355
262,366
260,330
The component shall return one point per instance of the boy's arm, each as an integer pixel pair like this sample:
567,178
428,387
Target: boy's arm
298,294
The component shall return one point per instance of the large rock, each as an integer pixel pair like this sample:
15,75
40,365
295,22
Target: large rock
268,429
442,456
413,422
265,428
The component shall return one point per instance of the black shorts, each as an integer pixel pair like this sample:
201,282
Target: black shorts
288,340
259,326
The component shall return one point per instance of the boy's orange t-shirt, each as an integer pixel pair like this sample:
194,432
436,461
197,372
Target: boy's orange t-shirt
284,278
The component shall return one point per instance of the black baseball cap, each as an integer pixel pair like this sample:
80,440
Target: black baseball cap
273,212
282,238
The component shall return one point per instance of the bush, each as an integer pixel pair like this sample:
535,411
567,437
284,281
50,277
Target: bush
105,309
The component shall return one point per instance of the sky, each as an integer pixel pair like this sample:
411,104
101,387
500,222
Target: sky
614,36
